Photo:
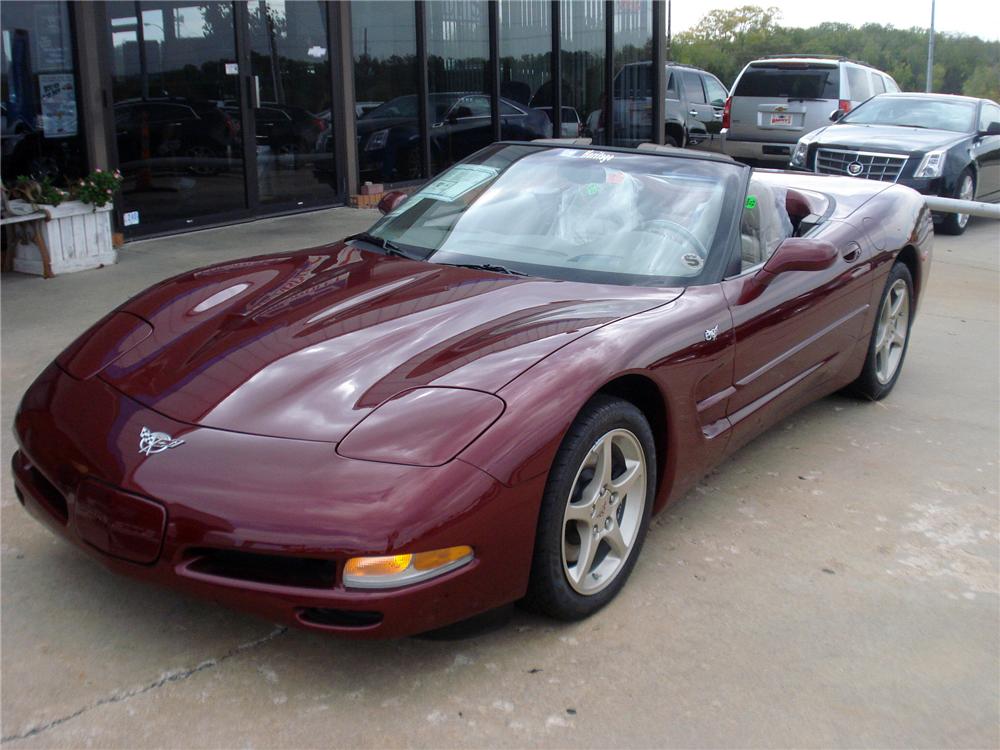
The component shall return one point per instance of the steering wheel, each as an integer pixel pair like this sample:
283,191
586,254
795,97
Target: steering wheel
678,230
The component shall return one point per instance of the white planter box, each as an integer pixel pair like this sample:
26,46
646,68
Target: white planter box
77,236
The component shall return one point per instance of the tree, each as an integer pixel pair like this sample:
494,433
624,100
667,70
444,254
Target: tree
984,82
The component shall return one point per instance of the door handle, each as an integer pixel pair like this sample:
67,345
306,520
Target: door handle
693,112
851,252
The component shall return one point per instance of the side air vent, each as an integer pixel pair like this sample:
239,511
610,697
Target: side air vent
280,570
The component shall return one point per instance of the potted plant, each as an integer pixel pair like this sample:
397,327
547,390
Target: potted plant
77,229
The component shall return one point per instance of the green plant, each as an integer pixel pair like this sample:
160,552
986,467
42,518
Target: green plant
38,192
99,187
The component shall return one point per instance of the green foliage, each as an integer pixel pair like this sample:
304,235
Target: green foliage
99,187
726,40
38,192
984,82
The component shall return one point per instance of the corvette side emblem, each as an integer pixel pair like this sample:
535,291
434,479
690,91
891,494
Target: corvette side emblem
711,334
155,442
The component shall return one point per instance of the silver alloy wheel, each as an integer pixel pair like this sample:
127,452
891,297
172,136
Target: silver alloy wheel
891,331
604,512
965,193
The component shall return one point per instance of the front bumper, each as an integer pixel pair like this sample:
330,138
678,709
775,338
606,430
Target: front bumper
263,524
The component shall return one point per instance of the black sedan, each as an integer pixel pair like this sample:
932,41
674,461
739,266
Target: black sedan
461,123
937,144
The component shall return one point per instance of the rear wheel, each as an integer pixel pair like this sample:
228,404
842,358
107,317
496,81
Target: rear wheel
595,511
966,191
890,337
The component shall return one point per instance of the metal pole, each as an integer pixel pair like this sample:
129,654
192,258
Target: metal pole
669,36
957,206
930,54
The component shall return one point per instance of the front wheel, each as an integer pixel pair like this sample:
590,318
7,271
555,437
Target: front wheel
890,337
595,511
966,191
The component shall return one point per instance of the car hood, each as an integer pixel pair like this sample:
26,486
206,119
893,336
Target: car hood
892,138
305,345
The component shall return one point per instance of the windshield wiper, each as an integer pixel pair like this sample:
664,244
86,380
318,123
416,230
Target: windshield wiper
488,267
389,248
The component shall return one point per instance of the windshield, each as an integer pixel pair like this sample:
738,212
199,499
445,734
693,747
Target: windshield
790,80
574,214
915,113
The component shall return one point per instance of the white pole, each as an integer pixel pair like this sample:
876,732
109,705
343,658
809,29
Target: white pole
930,54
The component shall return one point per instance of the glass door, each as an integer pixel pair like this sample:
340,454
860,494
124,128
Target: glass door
290,103
177,98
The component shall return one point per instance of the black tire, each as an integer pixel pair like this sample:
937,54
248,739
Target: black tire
951,223
549,589
869,384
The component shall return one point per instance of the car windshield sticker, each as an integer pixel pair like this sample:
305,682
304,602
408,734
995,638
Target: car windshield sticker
616,178
692,260
458,182
751,202
592,188
579,153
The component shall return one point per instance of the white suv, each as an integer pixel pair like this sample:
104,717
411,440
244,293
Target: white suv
778,99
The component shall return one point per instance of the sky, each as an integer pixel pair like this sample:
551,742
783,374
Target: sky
974,17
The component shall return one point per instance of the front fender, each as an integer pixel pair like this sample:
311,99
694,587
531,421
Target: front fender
666,345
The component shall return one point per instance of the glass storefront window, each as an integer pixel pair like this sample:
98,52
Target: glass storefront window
385,90
293,124
42,135
175,85
632,103
457,65
526,67
583,48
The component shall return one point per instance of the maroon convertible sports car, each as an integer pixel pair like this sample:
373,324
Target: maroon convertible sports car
482,399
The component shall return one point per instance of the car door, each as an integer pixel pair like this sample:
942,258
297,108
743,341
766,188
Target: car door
798,332
467,126
716,94
698,113
986,153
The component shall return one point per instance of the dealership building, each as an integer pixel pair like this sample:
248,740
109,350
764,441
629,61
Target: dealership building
219,112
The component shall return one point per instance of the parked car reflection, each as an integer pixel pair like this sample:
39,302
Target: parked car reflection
389,135
196,136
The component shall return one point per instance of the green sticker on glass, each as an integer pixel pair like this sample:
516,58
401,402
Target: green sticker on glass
592,189
751,202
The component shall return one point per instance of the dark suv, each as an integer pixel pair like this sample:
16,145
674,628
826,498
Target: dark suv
692,108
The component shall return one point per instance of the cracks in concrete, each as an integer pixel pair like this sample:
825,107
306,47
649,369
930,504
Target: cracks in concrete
164,679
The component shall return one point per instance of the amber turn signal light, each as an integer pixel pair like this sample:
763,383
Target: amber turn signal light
389,571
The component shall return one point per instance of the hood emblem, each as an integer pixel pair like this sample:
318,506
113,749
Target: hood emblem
855,168
155,442
711,334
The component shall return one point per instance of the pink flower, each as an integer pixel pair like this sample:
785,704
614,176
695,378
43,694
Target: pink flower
98,170
108,192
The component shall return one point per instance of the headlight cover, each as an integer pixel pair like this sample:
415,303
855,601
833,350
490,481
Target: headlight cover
801,153
422,427
932,165
377,140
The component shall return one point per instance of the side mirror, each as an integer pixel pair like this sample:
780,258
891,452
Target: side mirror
794,254
836,115
992,129
390,201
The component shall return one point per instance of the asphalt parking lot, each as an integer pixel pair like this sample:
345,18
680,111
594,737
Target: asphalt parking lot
833,584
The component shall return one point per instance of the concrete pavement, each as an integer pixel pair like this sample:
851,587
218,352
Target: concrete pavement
833,584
